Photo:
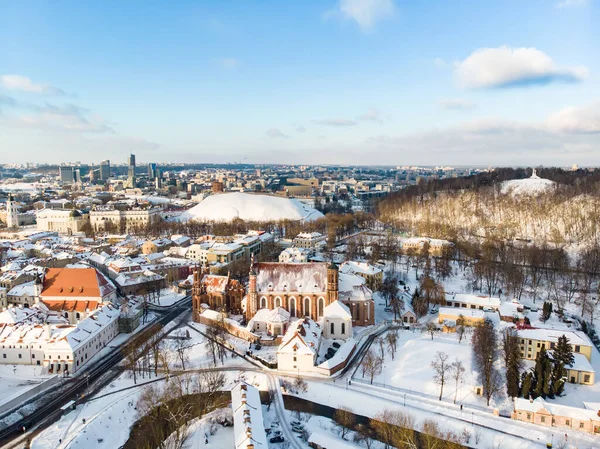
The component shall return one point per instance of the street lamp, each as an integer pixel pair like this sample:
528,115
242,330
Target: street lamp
473,419
404,399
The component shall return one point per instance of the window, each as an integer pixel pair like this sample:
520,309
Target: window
33,356
539,344
20,356
528,415
332,328
552,345
581,425
577,348
295,359
586,378
567,422
543,419
343,328
3,356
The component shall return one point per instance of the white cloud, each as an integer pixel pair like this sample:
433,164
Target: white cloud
440,63
582,119
301,129
571,3
338,122
457,103
366,13
230,63
22,83
68,118
276,133
510,67
373,115
568,136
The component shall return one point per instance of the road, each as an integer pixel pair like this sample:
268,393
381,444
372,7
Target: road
96,376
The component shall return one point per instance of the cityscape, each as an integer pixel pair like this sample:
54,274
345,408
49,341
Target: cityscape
233,225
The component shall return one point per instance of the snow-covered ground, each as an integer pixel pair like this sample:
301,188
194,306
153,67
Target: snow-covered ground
529,186
205,433
17,379
493,431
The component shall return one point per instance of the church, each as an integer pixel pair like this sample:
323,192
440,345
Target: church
220,293
304,290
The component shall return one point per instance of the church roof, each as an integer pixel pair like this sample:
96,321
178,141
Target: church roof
291,277
75,283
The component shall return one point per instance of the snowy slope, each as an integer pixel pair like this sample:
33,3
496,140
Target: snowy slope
531,186
250,207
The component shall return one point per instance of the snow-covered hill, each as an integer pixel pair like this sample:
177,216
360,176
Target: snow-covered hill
250,207
531,186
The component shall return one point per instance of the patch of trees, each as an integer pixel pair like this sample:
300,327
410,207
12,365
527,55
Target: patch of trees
547,378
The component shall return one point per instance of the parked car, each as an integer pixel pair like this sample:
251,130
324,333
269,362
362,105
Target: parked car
336,345
297,429
277,439
388,309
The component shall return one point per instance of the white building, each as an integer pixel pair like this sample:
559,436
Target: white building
294,255
40,337
337,321
300,346
309,240
248,424
64,221
467,301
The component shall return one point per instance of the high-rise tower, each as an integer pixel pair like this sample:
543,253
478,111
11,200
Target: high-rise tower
131,172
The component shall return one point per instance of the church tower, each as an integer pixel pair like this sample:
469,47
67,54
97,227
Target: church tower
12,214
252,298
333,276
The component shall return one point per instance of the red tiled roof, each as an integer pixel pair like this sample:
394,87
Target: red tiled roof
75,283
71,306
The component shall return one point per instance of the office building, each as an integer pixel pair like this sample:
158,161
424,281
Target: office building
66,174
104,170
131,181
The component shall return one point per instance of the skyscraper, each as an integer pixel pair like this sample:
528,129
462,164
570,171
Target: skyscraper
152,170
104,170
131,172
66,174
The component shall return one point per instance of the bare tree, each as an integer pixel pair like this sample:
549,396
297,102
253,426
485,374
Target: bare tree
345,420
456,371
182,349
364,436
431,328
440,367
392,342
372,365
485,351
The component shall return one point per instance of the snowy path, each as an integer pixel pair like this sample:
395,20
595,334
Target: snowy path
284,423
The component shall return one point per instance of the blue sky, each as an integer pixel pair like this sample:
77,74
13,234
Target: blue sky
337,82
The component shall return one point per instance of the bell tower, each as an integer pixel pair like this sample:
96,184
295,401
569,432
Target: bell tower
333,276
252,298
12,214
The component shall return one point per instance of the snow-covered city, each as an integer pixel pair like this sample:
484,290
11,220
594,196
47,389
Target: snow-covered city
333,224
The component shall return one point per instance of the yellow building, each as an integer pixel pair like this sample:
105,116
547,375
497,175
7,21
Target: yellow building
533,341
448,316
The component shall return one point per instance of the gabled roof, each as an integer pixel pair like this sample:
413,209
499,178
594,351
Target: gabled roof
292,277
75,283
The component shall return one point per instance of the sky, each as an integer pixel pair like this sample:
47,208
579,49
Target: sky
382,82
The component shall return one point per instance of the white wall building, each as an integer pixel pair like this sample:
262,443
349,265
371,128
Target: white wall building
337,321
300,346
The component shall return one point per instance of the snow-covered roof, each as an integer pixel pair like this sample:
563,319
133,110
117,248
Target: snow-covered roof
248,424
291,277
539,404
303,335
250,207
478,300
352,287
26,289
359,268
337,310
551,335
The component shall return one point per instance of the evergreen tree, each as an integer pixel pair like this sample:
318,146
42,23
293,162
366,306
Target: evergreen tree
526,385
557,380
540,367
563,352
512,361
547,384
546,311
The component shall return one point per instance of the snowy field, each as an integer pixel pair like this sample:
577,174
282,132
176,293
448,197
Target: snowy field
17,379
502,432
